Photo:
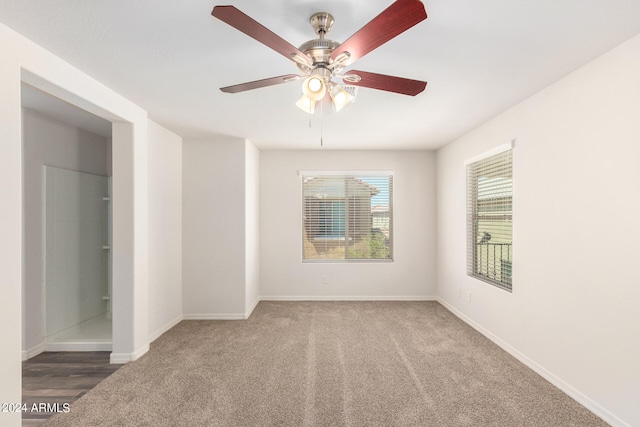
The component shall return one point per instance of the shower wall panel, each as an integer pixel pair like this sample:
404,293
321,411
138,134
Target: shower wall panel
76,248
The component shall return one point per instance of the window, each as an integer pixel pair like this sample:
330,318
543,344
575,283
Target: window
489,218
347,216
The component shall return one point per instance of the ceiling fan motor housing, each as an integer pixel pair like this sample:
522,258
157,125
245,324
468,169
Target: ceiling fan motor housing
320,49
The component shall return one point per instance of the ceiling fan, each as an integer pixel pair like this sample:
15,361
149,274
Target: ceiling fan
321,60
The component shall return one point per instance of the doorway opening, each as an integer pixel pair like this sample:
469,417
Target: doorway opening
67,226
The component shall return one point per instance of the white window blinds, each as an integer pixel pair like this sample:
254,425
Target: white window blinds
489,219
347,217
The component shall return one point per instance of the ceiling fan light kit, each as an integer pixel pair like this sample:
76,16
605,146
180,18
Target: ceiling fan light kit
340,97
306,104
313,90
321,60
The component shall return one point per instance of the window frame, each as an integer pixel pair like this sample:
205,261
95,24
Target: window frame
358,175
502,193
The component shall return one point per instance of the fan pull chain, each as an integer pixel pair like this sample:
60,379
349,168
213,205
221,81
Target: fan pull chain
321,134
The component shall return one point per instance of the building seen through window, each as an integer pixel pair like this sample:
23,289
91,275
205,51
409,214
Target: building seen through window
347,217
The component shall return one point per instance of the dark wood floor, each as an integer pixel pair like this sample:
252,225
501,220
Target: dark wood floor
60,378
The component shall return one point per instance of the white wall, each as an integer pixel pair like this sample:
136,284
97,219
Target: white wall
47,141
573,314
130,263
410,276
252,227
213,189
10,226
22,60
165,229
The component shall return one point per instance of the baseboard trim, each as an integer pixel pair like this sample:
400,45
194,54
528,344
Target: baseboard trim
65,346
78,346
253,307
244,316
33,351
157,334
119,358
140,352
585,401
213,316
122,358
348,298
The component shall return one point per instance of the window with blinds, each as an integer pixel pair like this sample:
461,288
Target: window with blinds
490,218
347,216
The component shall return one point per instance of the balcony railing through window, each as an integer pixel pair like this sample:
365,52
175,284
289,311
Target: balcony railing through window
493,262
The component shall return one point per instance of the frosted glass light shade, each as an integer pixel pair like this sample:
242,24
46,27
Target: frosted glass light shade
306,104
341,98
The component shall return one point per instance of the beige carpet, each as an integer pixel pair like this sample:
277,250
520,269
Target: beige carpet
327,364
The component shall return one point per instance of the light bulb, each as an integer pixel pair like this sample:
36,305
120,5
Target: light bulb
315,84
314,87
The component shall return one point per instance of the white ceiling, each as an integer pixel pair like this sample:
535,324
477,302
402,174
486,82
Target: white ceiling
479,58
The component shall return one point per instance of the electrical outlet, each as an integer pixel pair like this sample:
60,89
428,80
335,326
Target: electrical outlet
469,296
323,279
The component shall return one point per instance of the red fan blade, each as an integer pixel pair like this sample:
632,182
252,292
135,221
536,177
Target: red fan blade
260,83
388,83
242,22
394,20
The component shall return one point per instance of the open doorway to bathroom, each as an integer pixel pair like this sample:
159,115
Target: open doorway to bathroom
67,243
